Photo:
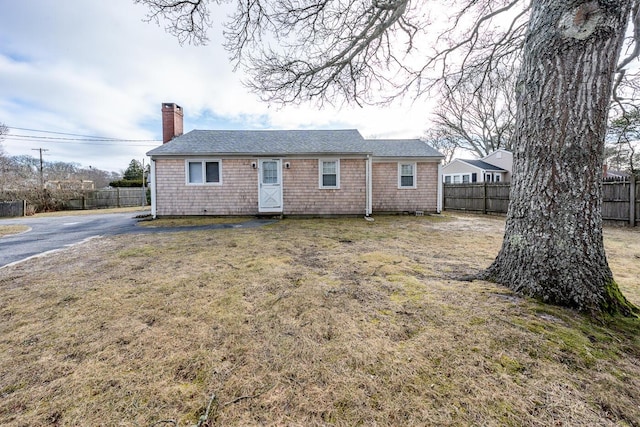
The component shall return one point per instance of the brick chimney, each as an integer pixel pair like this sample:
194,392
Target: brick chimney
171,121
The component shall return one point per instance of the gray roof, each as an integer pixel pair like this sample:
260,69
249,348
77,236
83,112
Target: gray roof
401,148
483,165
289,142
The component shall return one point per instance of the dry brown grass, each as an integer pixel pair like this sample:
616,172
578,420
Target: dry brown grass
7,230
303,323
193,221
94,211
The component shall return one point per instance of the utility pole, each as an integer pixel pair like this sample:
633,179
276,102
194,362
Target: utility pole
41,166
144,190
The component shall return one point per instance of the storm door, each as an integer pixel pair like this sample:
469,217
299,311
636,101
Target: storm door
270,185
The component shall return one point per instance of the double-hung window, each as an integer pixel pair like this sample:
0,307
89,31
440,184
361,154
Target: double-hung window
329,173
406,175
204,172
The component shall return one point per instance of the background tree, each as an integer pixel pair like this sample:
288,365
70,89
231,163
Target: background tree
21,173
4,161
132,176
134,171
3,131
367,51
443,141
477,114
623,145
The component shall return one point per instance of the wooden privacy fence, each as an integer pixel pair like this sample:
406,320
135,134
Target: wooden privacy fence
110,198
486,197
620,202
12,208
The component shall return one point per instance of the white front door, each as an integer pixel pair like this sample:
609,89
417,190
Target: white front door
270,185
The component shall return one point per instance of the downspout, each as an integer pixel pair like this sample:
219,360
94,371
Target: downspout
153,189
369,189
440,196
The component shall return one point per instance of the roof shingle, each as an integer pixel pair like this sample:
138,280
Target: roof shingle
483,165
290,142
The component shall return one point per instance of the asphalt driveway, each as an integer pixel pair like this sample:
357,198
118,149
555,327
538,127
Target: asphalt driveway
47,234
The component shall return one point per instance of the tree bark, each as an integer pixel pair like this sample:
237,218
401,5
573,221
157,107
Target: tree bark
553,247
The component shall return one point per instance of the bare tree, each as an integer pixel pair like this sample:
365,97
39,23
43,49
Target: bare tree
4,161
3,131
443,141
624,140
572,54
478,113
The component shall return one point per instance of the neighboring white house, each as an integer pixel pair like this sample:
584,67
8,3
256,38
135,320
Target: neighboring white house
289,172
496,167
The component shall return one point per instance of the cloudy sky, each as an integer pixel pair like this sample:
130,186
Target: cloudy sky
95,69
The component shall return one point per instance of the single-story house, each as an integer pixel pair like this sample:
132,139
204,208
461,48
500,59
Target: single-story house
496,167
289,172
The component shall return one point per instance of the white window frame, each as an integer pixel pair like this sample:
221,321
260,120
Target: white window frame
203,163
458,178
414,167
321,185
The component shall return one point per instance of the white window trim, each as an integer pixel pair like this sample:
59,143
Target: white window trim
415,175
326,187
202,161
460,176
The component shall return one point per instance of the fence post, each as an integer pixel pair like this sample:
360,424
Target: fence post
484,198
632,201
444,196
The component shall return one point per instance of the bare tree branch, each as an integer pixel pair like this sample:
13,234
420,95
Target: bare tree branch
634,40
189,20
479,115
359,51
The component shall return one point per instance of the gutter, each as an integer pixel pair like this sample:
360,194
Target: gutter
440,194
369,186
153,189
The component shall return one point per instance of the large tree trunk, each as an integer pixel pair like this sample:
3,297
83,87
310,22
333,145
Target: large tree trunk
553,247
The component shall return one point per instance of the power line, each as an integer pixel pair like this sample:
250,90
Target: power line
15,137
85,142
91,137
58,138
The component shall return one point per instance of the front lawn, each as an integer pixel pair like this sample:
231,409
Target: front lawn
308,322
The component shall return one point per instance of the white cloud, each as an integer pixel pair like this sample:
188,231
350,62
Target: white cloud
95,68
